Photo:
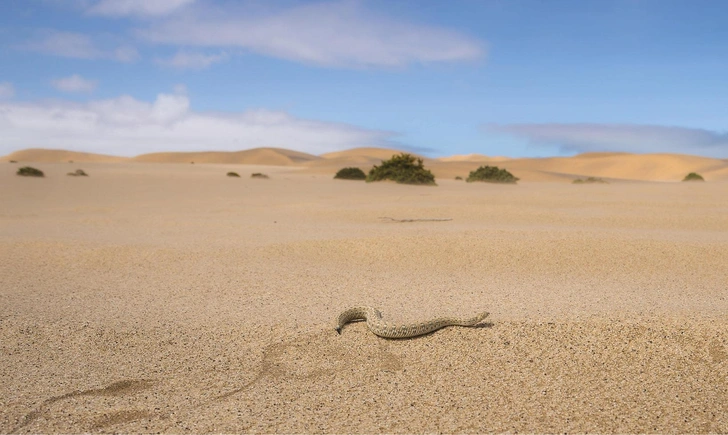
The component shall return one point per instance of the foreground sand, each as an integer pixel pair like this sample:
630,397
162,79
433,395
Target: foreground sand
170,298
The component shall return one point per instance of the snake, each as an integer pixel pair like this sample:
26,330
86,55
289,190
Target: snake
380,327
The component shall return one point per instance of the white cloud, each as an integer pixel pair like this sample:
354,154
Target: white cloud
78,46
127,126
621,137
338,34
144,8
192,60
6,90
74,83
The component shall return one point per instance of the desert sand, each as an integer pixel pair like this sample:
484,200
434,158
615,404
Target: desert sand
162,297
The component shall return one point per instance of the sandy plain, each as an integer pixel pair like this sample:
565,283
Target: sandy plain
160,297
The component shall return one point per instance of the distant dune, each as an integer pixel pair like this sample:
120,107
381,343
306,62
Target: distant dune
644,167
256,156
608,165
59,156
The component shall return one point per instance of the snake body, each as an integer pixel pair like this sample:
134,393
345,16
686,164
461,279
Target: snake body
378,326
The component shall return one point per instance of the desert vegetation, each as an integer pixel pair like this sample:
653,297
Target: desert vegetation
590,180
259,175
351,174
693,176
28,171
78,173
491,174
402,168
233,174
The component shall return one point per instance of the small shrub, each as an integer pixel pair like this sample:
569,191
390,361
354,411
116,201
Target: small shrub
27,171
78,173
590,180
233,174
491,174
351,174
693,176
13,161
404,169
458,178
258,175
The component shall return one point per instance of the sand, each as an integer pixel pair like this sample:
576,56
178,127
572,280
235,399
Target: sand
152,297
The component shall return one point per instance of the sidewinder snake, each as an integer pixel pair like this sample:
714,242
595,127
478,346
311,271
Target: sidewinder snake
378,326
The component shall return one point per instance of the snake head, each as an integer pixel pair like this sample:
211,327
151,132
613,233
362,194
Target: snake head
338,330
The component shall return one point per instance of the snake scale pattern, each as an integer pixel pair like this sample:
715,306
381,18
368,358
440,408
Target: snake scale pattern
378,326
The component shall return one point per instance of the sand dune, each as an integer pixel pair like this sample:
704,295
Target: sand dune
613,166
59,156
255,156
643,167
608,165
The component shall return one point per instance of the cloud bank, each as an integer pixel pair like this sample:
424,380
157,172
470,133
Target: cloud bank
331,34
620,137
126,126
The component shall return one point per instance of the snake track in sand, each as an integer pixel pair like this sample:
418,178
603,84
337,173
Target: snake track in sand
378,326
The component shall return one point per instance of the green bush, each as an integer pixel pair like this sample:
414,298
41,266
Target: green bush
491,174
589,180
351,174
27,171
458,178
233,174
404,169
693,176
78,173
258,175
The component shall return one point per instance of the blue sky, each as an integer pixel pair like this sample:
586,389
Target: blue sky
509,77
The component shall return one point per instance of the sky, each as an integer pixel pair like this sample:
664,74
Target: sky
516,78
